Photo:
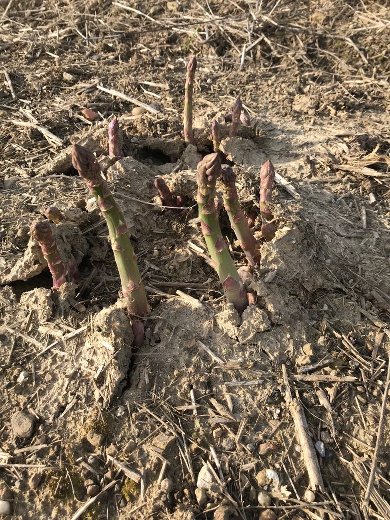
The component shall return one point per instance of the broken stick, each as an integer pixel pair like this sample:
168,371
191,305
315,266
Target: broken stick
302,433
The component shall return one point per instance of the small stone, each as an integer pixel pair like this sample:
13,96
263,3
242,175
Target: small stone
35,480
268,514
261,478
5,508
22,376
89,114
92,491
325,437
201,497
205,478
137,111
22,424
266,447
123,502
264,499
166,485
95,438
110,475
309,496
224,512
66,76
320,447
89,482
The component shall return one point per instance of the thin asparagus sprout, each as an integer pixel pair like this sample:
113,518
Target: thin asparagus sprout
188,97
209,169
43,234
164,192
237,218
236,113
267,177
216,135
114,139
132,287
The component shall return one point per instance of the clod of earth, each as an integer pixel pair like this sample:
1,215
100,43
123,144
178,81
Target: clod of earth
132,287
43,234
54,214
209,169
237,218
267,179
245,118
189,90
114,139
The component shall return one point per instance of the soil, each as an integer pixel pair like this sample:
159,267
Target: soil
195,423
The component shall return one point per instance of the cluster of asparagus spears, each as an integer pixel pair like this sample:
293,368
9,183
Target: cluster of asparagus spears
209,171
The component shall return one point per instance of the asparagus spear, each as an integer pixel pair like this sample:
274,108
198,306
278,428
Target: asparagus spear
189,90
216,135
207,172
236,113
267,177
164,192
133,290
114,139
43,234
237,217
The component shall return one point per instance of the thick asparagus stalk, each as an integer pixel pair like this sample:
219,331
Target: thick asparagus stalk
133,290
267,177
236,113
188,95
207,172
43,234
216,135
114,139
164,192
237,218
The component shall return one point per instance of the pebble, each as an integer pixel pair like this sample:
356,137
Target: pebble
137,111
320,447
22,424
89,482
268,514
93,490
264,499
166,485
309,496
94,438
5,508
205,478
35,480
224,512
201,497
110,475
266,447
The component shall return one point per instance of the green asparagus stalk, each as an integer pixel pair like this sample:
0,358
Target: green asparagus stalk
267,177
114,139
237,218
43,234
216,135
133,290
188,95
236,113
209,169
54,214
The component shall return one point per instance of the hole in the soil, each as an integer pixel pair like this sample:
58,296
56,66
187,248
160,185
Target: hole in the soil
69,171
43,279
152,156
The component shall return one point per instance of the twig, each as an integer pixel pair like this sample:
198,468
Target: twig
92,500
326,378
379,436
9,83
135,101
131,474
50,138
211,353
301,429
